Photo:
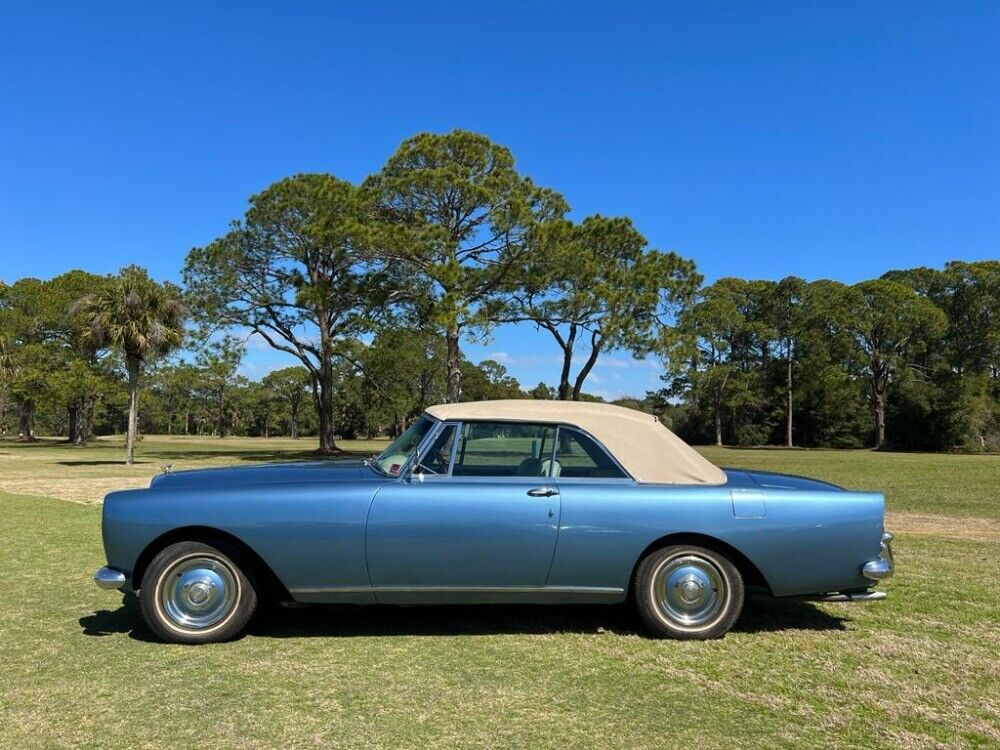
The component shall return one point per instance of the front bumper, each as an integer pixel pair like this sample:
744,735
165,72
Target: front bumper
110,579
882,566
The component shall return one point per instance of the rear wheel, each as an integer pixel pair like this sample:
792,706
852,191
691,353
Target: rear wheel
688,592
194,592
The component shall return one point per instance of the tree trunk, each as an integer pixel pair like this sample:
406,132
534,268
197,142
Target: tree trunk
294,420
221,422
73,420
587,367
879,417
323,398
454,368
26,422
90,414
132,365
564,389
788,425
718,423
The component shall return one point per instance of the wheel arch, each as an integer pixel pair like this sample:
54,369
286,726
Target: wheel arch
751,574
270,583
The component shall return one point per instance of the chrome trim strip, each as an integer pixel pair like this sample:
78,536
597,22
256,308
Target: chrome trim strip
422,446
109,579
860,596
462,589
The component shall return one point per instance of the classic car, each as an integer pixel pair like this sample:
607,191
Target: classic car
493,502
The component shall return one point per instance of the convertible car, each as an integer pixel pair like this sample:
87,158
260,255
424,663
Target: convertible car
493,502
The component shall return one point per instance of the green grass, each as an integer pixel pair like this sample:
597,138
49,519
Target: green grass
935,483
919,670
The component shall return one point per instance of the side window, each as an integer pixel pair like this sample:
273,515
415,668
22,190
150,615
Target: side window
437,457
503,449
577,455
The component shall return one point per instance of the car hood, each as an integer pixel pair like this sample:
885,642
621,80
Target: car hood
744,479
279,473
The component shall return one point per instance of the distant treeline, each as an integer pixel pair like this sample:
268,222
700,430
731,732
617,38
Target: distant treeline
373,289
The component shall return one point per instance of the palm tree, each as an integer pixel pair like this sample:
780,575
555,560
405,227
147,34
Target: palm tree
139,317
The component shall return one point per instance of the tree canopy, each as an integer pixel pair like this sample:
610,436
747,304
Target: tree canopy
455,217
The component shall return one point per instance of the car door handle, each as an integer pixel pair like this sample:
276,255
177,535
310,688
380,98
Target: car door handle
543,492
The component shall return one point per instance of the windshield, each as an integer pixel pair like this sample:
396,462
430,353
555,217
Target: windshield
393,458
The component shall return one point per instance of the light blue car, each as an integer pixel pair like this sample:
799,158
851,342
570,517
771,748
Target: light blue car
493,502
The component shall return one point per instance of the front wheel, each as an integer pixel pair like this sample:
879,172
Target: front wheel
197,593
688,592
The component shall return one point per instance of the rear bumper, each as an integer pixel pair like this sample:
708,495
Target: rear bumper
882,566
110,579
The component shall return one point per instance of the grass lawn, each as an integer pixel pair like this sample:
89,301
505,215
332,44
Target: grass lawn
921,669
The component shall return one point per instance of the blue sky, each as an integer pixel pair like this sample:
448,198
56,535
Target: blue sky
827,140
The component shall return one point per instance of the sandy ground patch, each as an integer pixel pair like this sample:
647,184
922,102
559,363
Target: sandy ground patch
976,529
87,490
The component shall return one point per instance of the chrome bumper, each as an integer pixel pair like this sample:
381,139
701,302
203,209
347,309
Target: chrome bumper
109,578
881,567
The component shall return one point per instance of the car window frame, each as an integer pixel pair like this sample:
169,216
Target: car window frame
626,476
422,447
425,445
432,435
505,478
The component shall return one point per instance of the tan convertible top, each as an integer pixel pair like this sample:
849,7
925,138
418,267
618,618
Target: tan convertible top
648,450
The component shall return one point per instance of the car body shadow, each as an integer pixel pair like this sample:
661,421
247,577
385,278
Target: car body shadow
345,621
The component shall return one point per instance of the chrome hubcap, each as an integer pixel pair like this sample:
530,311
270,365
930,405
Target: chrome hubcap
198,592
690,590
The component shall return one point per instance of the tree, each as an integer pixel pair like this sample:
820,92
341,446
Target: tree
455,215
27,360
542,392
969,294
889,323
295,271
963,401
596,280
713,361
831,402
80,377
289,385
138,317
488,381
8,370
404,372
787,320
175,385
218,363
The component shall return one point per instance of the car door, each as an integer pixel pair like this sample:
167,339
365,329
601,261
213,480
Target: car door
475,518
598,510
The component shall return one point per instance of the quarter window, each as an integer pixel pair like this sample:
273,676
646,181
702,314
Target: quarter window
437,457
578,455
503,449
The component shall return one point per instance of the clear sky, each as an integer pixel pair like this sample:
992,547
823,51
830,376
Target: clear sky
827,140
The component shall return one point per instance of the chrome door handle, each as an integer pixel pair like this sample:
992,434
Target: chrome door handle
543,492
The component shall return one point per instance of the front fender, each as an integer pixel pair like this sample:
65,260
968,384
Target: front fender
309,535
